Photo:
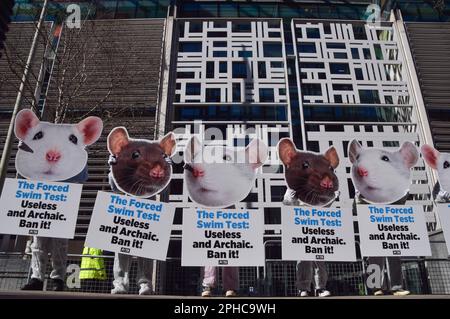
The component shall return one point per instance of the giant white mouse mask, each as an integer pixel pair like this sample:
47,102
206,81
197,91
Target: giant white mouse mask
382,176
53,152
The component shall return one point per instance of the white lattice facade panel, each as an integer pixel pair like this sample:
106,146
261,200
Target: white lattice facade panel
231,62
349,63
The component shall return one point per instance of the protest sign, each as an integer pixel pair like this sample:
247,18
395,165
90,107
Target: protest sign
39,208
443,211
317,233
393,230
223,237
130,225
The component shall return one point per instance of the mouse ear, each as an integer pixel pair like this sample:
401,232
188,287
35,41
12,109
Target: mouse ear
90,128
117,140
409,153
354,148
256,153
332,156
192,148
168,144
25,120
431,155
286,150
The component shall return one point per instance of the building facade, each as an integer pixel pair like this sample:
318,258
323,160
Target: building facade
320,73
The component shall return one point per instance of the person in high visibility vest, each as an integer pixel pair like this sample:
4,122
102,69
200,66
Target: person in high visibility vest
92,268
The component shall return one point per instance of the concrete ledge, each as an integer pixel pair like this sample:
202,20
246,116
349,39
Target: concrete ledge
78,295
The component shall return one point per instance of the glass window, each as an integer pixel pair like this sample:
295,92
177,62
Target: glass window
272,49
262,74
313,89
213,95
190,47
266,95
359,74
236,92
126,10
220,44
355,53
228,10
220,54
340,55
239,70
339,68
367,54
313,33
185,75
106,10
210,70
241,27
223,67
359,32
369,96
245,54
276,64
195,26
192,88
307,47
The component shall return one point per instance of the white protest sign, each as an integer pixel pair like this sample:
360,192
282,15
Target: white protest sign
130,225
443,211
393,230
39,208
223,237
317,233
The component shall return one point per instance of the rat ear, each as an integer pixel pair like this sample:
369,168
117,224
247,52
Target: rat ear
25,120
409,153
431,155
168,144
192,148
256,152
117,140
90,128
332,156
354,148
286,150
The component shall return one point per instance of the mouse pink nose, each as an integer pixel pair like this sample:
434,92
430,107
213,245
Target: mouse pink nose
197,172
326,183
362,172
53,156
157,172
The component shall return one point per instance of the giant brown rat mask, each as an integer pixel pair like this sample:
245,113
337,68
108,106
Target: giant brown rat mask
141,168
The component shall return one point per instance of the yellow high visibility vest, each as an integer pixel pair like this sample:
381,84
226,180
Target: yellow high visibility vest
92,267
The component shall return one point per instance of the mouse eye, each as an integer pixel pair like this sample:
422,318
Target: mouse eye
305,165
446,164
135,155
38,136
226,158
331,168
73,139
385,158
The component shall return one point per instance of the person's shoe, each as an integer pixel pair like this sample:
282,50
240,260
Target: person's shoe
303,293
442,197
58,285
323,293
206,292
34,284
401,292
145,289
119,289
378,293
230,293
